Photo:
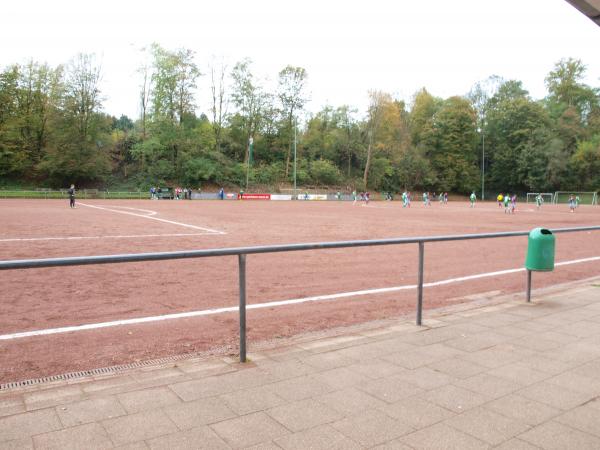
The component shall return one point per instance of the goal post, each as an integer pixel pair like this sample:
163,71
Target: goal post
585,198
547,197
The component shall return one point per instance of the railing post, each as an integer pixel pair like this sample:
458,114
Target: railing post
528,286
420,285
242,264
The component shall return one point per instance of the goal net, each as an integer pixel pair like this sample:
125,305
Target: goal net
546,196
585,198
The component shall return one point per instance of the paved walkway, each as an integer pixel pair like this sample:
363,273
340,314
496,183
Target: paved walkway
506,375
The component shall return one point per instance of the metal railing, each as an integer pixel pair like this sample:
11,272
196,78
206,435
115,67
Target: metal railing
242,252
83,194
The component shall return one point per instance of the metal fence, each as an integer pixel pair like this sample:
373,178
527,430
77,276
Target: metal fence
83,194
242,252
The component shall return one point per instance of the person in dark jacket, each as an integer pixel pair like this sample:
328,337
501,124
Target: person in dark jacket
72,196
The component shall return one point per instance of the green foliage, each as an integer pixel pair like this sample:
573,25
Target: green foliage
323,171
53,132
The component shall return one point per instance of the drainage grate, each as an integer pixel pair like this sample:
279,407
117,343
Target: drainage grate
110,370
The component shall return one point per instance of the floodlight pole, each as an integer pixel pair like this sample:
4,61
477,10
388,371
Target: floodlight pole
295,125
483,159
483,166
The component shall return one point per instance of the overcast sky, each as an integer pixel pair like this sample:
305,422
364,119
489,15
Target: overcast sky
346,46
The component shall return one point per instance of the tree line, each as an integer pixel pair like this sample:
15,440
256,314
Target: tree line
53,131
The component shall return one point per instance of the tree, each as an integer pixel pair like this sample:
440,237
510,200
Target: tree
78,150
219,100
292,98
375,112
564,84
250,102
452,144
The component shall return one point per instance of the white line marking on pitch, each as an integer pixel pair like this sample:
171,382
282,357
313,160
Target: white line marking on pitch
74,238
195,227
208,312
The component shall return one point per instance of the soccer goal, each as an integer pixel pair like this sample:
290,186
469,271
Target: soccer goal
547,197
585,198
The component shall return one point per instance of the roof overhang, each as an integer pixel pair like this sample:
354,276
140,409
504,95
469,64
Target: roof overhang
590,8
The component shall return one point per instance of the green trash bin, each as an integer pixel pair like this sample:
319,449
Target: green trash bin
540,250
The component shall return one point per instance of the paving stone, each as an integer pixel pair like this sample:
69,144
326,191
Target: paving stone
341,377
516,444
590,370
332,343
10,405
89,436
390,389
351,401
203,369
202,388
579,352
50,397
555,436
300,388
326,361
91,410
252,400
387,347
264,446
480,341
375,368
249,430
109,385
584,418
396,444
555,396
371,428
513,331
580,329
425,378
519,373
422,356
283,370
537,343
457,368
194,439
545,363
499,319
487,425
442,437
574,382
497,356
489,385
199,412
138,427
309,413
321,437
164,375
553,335
416,412
247,378
455,398
523,409
28,424
152,398
134,446
17,444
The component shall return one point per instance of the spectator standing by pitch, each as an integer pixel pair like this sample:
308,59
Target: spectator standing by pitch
472,198
72,196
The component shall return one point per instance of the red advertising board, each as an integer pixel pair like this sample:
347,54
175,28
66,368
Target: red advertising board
256,196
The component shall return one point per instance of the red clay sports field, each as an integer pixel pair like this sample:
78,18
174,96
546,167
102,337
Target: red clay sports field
36,303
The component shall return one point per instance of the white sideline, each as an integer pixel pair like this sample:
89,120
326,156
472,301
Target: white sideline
207,312
119,236
195,227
